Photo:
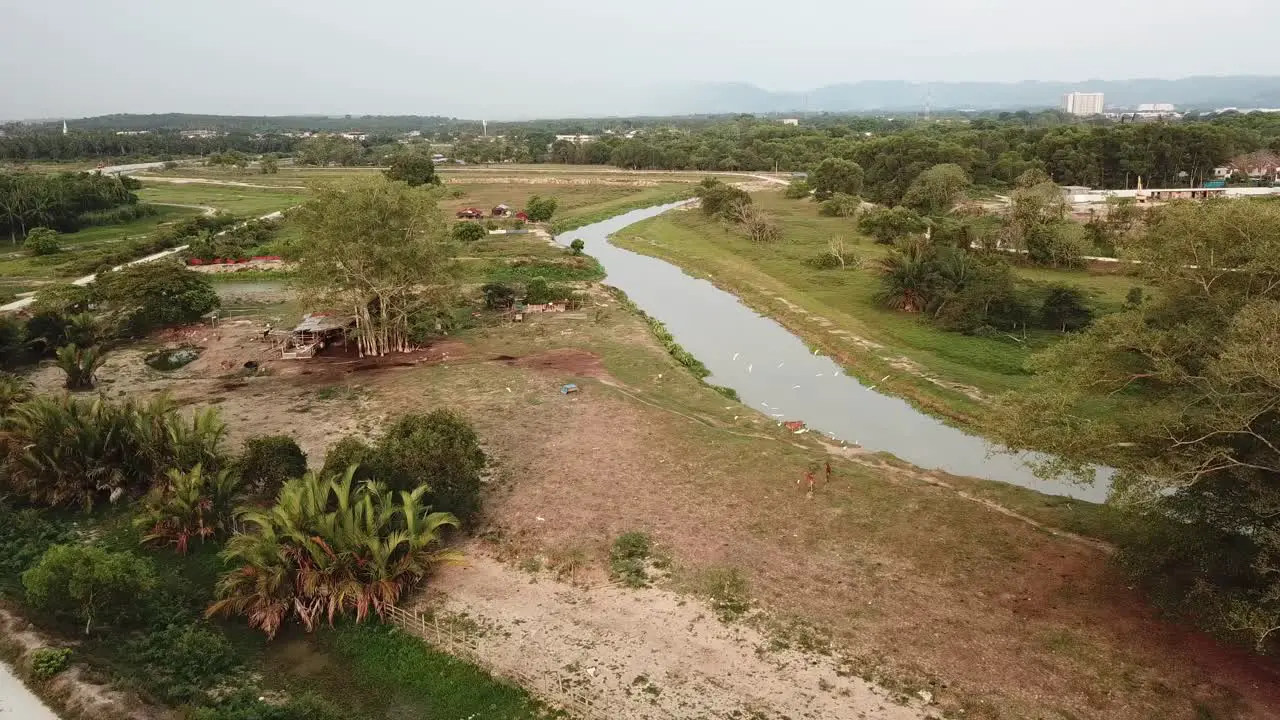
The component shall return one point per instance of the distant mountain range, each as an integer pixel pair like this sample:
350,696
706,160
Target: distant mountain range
1201,93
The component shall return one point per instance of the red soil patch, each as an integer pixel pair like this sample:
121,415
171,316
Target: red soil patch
568,360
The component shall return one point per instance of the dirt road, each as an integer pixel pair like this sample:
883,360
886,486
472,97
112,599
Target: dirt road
649,654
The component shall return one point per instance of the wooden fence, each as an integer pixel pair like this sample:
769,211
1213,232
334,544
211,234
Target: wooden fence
552,689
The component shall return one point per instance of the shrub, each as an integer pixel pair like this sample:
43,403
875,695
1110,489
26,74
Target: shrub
538,291
25,535
267,461
797,190
12,339
888,225
826,261
498,296
88,583
629,559
836,175
729,593
439,450
469,232
540,209
349,452
48,661
180,663
157,294
719,200
841,205
577,246
42,241
245,705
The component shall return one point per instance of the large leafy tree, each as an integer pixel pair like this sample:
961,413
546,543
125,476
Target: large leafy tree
1181,395
156,294
413,169
937,190
836,175
379,250
328,547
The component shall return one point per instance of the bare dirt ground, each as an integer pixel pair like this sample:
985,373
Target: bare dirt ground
895,575
648,654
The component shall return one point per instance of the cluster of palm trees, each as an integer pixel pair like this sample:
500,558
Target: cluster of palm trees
29,200
329,546
61,451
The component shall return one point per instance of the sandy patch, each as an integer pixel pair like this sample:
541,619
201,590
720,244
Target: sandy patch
648,654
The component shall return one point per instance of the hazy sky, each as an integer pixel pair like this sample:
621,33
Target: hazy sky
523,58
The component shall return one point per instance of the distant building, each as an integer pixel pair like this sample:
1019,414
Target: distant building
790,121
1078,103
354,135
576,139
1156,108
199,133
133,132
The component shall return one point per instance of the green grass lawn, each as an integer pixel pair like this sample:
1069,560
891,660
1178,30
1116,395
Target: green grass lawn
759,273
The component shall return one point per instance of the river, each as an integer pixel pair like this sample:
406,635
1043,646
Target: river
17,702
775,373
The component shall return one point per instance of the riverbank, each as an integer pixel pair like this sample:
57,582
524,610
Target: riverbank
949,375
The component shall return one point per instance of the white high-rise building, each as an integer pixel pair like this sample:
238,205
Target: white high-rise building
1078,103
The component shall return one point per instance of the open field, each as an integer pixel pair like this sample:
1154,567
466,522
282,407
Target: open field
239,201
885,572
777,280
20,272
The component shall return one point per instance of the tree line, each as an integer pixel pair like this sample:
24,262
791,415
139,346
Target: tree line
990,150
28,145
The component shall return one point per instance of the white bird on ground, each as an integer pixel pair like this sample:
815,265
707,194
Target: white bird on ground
886,377
873,387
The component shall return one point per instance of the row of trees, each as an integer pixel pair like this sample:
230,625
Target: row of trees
61,201
49,144
990,151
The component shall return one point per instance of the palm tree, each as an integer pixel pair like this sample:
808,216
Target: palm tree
907,275
192,504
80,364
328,546
13,390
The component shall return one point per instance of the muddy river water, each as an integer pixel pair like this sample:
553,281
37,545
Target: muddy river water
775,373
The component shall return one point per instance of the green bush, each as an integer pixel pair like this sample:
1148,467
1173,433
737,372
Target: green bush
540,209
157,294
440,450
42,241
577,246
48,661
797,190
498,296
469,232
629,559
729,593
352,451
89,583
841,205
245,705
25,535
179,664
269,460
826,261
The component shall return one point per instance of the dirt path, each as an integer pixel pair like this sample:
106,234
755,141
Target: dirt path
649,654
208,210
